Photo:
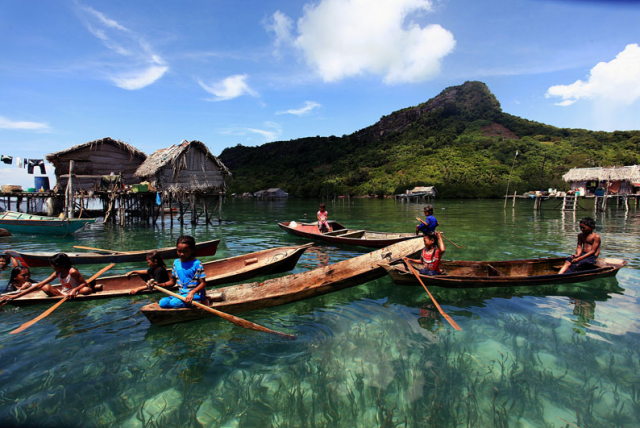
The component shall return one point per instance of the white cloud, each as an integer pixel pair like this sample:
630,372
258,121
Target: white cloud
22,126
142,66
617,81
272,133
308,107
280,25
343,38
229,88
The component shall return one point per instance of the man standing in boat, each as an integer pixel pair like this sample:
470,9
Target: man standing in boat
587,251
430,223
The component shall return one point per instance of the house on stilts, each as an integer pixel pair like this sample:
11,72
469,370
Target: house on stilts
186,175
619,182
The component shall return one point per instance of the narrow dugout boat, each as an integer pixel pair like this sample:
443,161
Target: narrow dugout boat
342,235
31,224
223,271
291,288
472,274
41,259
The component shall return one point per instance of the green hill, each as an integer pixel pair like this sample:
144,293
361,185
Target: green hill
460,141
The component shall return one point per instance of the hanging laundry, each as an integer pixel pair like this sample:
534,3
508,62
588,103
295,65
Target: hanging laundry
19,162
36,162
6,159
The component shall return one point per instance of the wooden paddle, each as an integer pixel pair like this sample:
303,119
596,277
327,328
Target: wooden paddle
237,321
443,313
425,223
100,250
54,307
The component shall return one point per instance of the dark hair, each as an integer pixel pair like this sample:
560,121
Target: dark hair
186,239
431,235
6,257
588,221
428,209
323,206
60,260
156,257
15,272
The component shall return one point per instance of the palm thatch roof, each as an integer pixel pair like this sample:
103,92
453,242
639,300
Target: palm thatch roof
614,173
53,157
160,158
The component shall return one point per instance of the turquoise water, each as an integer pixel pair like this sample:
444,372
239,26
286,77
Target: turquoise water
376,355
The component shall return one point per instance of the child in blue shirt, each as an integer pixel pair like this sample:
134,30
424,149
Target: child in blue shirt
431,222
188,274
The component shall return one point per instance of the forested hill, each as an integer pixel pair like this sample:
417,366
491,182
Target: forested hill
460,141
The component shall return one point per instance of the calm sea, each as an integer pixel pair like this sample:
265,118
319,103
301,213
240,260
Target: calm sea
376,355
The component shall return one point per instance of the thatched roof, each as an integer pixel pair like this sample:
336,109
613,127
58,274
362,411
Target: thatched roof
53,157
160,158
615,173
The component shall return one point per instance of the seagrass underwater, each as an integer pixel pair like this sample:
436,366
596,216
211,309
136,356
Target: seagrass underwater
372,355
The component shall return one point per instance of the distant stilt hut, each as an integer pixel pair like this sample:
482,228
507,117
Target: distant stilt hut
188,174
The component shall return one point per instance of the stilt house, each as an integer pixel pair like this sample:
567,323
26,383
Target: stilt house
93,161
622,180
186,173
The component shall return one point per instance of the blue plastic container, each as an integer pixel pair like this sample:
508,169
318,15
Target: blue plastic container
42,183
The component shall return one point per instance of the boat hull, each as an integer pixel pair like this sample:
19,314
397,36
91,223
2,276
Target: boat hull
223,271
530,272
292,288
30,224
41,259
344,236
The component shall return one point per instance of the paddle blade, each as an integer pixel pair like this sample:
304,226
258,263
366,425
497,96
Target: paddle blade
45,314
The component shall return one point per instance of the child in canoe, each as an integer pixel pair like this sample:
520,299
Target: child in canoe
323,216
6,261
157,271
587,251
71,280
19,280
188,274
431,254
430,223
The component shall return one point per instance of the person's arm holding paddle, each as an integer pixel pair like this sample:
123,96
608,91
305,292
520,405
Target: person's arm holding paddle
31,289
75,274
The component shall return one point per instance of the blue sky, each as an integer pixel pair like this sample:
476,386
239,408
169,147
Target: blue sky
152,73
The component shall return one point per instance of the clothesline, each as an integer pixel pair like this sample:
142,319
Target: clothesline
30,164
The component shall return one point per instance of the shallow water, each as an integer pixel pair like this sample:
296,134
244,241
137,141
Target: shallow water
370,356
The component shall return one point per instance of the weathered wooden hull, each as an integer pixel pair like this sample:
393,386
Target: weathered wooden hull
344,236
291,288
223,271
30,224
472,274
41,259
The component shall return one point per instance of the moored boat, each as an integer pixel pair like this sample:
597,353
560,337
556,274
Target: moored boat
473,274
291,288
31,224
41,259
223,271
344,236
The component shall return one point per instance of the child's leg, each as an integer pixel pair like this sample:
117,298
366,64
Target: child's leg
52,291
567,265
85,290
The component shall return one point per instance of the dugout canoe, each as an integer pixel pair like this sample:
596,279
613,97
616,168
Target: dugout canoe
474,274
41,259
342,235
223,271
291,288
31,224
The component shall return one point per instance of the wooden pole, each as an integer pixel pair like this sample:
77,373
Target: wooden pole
509,181
219,208
69,207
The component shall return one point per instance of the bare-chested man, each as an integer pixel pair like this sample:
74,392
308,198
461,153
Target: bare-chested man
587,251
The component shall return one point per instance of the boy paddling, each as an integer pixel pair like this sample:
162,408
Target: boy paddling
587,251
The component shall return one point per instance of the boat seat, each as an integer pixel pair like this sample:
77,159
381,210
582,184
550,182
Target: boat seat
492,271
336,232
355,232
216,296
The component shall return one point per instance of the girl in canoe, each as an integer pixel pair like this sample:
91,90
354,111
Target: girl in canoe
19,280
188,274
71,280
323,216
431,254
157,271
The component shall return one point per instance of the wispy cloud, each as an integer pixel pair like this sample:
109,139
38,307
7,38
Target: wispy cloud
229,88
142,66
271,131
22,125
280,25
345,38
308,107
616,81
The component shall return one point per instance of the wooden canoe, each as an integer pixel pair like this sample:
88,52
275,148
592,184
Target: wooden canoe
342,235
472,274
291,288
223,271
206,248
31,224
